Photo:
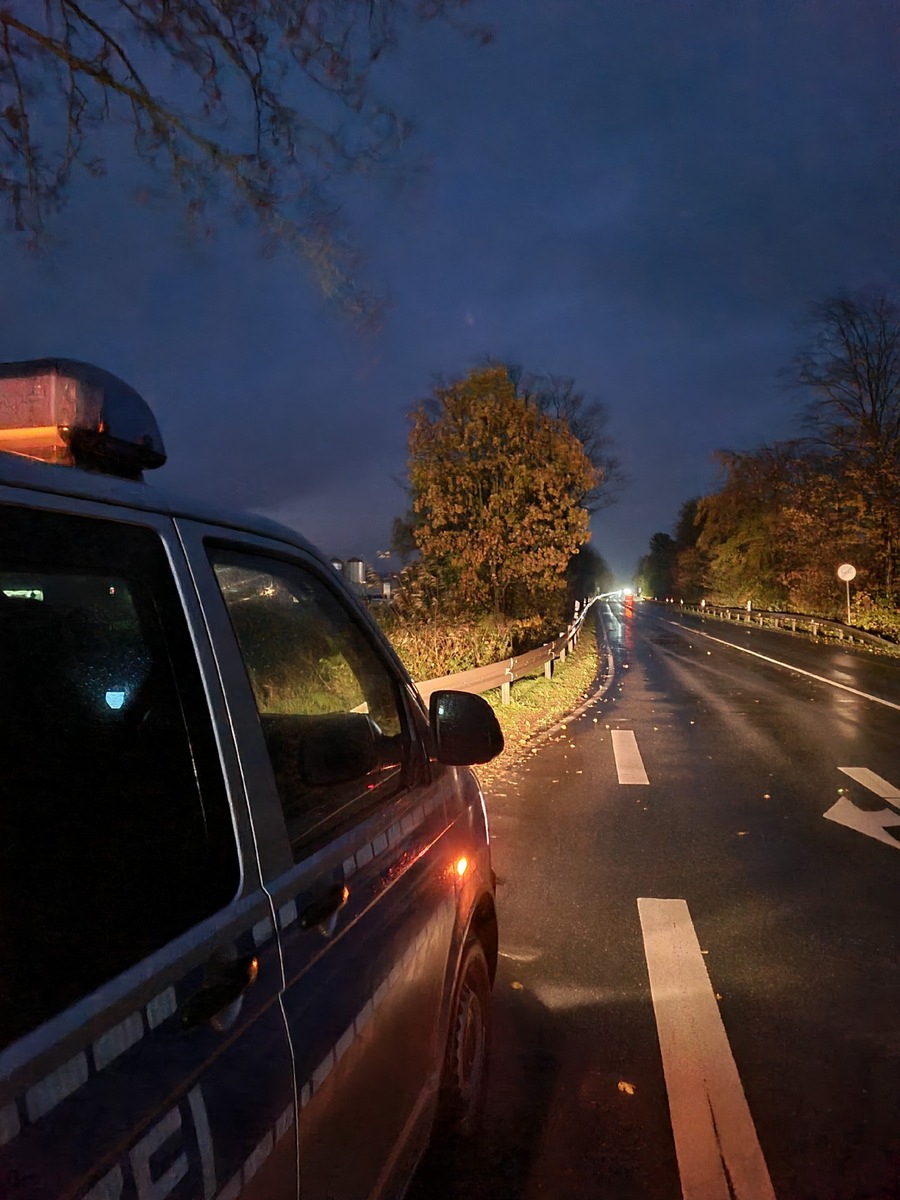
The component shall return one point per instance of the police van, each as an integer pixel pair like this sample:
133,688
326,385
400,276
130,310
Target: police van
247,924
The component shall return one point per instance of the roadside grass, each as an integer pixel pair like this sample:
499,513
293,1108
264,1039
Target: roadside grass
537,703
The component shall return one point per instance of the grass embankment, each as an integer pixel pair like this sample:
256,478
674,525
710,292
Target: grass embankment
537,703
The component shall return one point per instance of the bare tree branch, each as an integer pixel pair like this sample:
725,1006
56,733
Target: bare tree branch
272,101
558,396
851,366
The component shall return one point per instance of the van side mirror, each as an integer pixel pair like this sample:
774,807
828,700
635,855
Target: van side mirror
465,729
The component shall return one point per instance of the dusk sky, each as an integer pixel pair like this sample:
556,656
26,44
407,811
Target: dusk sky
640,194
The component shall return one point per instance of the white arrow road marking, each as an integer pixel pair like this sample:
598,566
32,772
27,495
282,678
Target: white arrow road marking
629,764
719,1156
871,823
874,783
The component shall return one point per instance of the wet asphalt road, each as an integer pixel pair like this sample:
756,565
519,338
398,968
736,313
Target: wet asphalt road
797,918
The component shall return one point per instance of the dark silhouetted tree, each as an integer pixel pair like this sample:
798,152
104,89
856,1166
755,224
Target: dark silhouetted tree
851,365
655,569
558,396
690,568
587,574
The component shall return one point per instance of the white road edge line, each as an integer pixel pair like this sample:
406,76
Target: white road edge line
718,1151
788,666
629,764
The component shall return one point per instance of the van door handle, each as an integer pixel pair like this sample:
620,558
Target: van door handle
229,980
325,906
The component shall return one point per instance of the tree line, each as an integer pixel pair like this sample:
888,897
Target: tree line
786,514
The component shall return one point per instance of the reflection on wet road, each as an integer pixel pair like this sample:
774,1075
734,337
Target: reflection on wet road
696,786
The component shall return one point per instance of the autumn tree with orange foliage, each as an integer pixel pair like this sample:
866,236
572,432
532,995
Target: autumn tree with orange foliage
499,491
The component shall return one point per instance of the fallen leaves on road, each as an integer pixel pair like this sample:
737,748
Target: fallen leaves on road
627,1088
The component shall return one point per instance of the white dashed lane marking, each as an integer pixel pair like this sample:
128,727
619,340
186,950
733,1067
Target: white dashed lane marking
629,764
718,1152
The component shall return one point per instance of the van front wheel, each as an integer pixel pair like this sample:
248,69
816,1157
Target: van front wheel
464,1082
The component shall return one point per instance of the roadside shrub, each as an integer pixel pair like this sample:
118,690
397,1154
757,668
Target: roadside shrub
434,636
878,614
432,648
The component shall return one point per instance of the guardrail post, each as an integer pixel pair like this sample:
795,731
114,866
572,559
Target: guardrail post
793,624
815,628
504,692
548,669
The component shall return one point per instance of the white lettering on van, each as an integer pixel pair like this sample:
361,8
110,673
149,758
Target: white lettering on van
54,1088
146,1186
9,1123
153,1180
109,1187
204,1141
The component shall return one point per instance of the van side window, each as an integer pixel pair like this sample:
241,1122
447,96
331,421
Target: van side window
327,702
115,831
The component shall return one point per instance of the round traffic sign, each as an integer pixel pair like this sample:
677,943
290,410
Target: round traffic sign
846,571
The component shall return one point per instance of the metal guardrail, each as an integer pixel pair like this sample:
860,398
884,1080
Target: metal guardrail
817,626
503,674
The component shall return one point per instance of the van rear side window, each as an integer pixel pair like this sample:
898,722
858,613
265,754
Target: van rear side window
115,834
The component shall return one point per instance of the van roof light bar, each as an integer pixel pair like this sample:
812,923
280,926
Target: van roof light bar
77,415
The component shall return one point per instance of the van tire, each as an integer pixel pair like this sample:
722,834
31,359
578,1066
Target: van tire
464,1080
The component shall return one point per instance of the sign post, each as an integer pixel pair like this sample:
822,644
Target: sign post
846,572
